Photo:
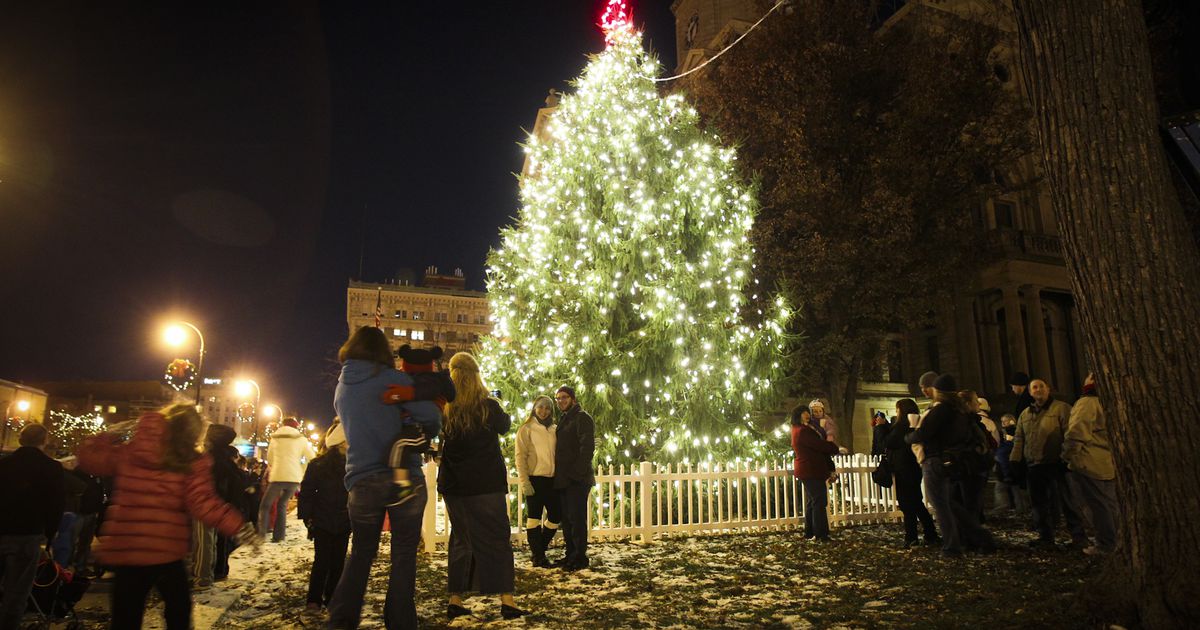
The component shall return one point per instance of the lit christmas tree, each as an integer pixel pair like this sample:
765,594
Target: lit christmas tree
628,274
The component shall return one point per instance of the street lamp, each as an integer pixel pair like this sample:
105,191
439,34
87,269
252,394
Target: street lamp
22,407
176,335
270,410
242,388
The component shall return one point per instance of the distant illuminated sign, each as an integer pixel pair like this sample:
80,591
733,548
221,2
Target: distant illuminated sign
212,381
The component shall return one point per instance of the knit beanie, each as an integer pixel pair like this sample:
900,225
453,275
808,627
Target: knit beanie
927,380
291,422
220,435
946,383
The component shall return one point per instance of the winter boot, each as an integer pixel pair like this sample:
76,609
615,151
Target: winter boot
547,536
537,546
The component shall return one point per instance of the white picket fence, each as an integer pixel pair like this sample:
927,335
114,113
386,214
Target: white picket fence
650,500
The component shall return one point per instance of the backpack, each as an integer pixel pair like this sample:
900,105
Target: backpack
972,457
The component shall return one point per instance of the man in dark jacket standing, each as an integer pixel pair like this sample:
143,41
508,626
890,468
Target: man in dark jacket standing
573,475
31,491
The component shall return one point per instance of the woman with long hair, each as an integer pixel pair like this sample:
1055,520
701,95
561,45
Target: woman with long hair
371,426
948,424
322,508
813,466
536,441
161,482
907,475
473,480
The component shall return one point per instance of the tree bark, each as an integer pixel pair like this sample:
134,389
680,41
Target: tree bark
1134,271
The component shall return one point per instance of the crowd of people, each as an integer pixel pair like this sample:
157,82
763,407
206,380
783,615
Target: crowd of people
172,499
1048,458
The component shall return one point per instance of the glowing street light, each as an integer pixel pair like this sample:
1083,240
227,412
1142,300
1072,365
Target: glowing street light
243,388
23,406
176,335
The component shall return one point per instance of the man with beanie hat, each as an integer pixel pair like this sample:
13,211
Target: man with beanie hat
286,457
1020,386
948,424
575,445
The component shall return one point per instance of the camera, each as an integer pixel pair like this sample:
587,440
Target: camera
495,393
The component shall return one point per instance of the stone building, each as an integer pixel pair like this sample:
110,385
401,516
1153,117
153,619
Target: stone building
1016,315
440,311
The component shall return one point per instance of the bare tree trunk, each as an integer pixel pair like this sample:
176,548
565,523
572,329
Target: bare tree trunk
1134,271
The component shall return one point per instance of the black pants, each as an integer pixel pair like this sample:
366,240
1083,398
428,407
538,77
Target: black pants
574,522
912,504
329,556
225,547
544,498
132,586
816,508
1049,494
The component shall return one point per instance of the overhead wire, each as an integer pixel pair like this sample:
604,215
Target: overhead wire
724,50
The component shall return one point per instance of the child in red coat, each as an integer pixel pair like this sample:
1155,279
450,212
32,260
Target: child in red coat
161,483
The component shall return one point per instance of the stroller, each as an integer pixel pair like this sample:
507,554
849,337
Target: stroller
55,593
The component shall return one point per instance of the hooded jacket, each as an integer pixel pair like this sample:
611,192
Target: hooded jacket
287,447
535,450
150,518
323,494
1086,448
372,426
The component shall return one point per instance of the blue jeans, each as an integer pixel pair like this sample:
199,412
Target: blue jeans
957,524
368,503
282,491
18,560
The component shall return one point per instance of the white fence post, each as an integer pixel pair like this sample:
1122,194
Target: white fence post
644,494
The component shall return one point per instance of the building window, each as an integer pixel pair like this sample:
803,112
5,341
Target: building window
112,409
440,317
401,313
399,332
1004,212
460,318
481,319
418,315
97,408
418,335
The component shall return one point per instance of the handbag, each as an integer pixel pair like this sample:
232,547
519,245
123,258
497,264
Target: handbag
882,475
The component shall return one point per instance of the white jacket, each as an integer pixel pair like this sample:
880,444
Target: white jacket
535,450
287,447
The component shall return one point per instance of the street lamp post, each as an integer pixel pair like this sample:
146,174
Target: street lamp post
278,413
175,335
242,389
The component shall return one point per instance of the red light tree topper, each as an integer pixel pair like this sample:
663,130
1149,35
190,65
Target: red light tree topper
615,19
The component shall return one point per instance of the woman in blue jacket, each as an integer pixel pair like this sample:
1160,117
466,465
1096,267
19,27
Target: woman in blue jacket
371,426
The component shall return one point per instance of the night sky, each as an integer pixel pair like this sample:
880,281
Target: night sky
226,163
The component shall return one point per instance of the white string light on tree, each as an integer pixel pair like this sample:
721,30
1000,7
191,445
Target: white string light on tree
628,273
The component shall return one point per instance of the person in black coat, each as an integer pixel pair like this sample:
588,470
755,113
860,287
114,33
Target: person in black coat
946,425
230,485
573,475
322,507
32,493
906,473
474,483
